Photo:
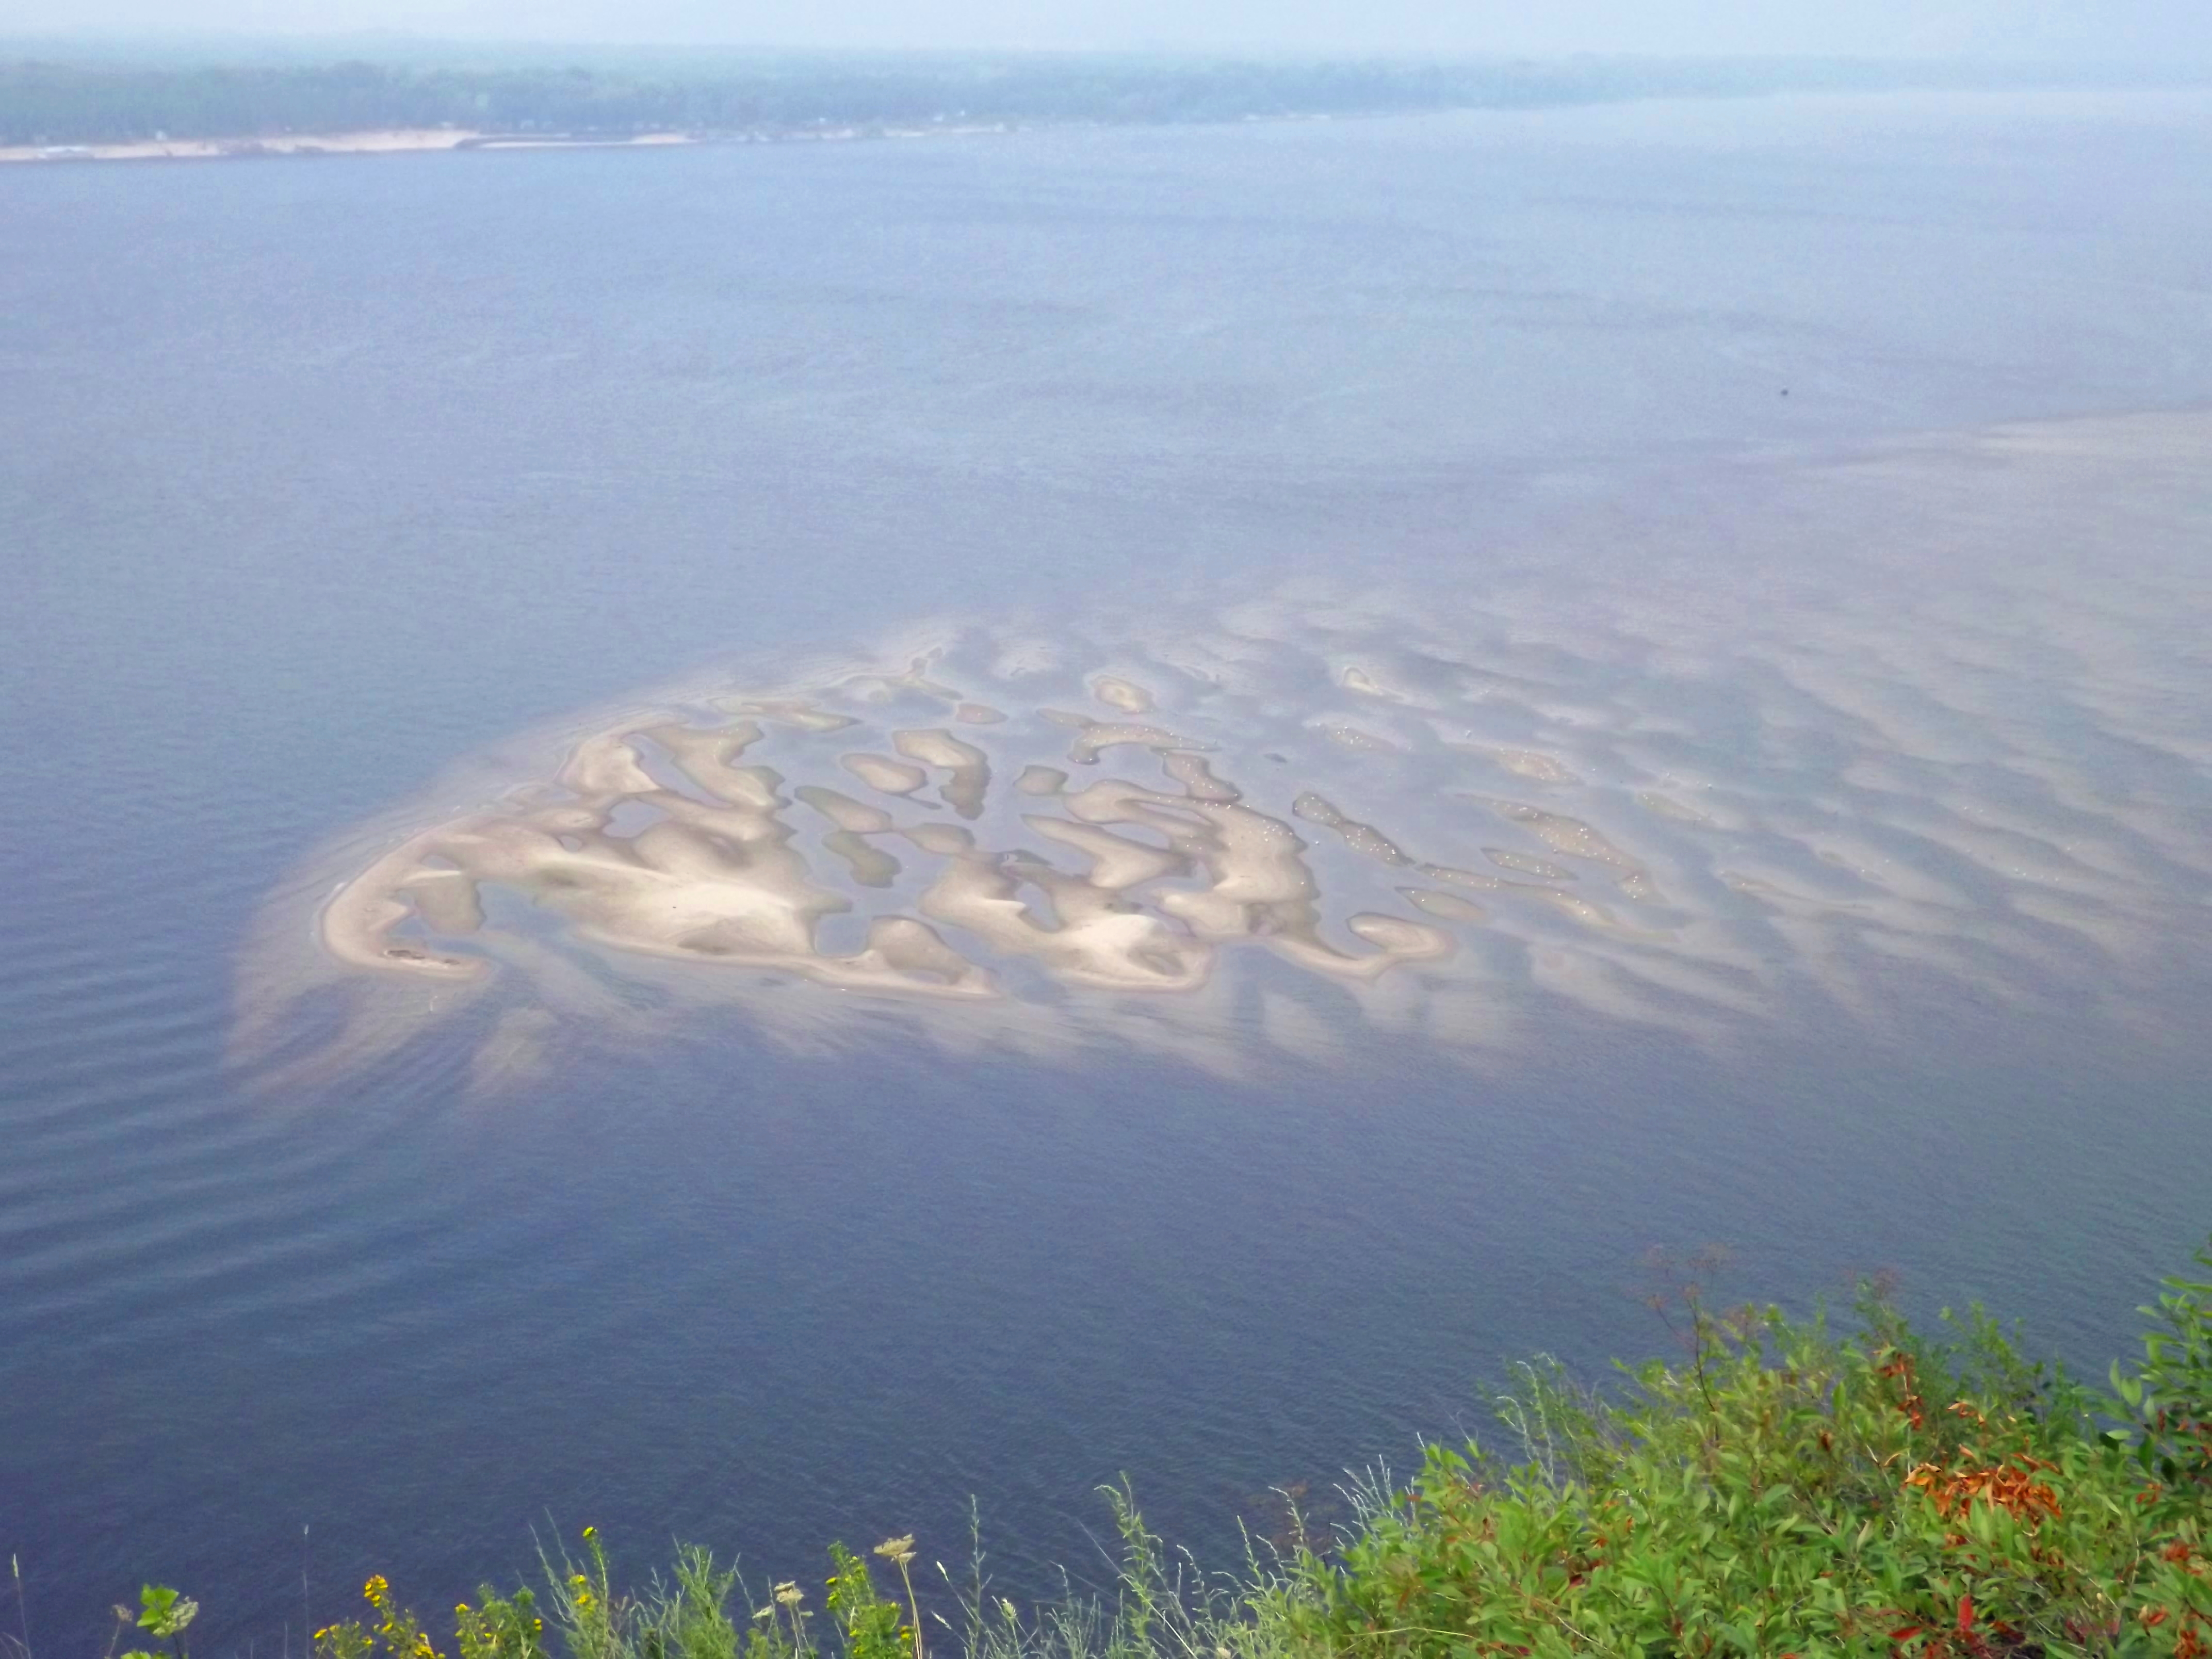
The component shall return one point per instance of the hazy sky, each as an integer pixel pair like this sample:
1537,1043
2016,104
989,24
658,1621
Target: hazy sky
2154,29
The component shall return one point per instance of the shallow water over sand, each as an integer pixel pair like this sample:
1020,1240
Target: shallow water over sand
1472,827
1779,820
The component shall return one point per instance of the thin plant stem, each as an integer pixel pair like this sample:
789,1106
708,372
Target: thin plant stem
913,1607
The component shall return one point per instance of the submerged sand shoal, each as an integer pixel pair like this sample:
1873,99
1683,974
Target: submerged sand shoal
1694,810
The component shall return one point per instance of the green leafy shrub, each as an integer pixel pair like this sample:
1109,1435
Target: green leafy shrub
1790,1491
162,1613
2168,1398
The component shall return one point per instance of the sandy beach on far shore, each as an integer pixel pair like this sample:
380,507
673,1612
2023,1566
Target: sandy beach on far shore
383,142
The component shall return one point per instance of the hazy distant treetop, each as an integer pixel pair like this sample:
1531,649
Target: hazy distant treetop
130,95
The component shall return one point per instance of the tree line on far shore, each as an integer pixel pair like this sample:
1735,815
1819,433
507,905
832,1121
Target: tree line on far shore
56,103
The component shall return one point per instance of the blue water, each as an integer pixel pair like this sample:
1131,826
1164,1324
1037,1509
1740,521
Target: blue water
316,476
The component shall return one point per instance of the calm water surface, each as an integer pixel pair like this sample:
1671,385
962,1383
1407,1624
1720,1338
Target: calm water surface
316,476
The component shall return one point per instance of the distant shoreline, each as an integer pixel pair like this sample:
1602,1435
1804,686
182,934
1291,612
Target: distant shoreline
396,141
58,110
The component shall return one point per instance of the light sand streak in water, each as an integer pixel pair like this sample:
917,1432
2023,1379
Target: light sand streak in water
1765,810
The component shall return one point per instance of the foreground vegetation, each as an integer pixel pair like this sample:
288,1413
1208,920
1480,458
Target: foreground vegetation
1783,1488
